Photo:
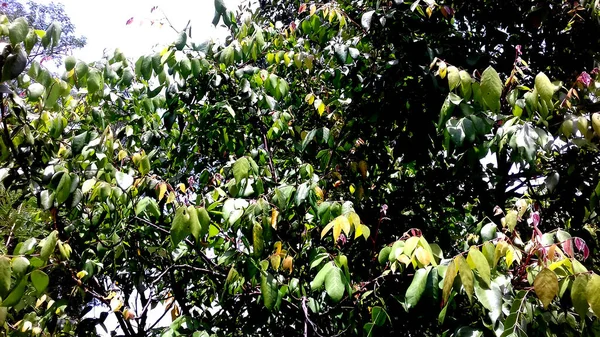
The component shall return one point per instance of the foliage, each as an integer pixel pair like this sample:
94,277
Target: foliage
318,177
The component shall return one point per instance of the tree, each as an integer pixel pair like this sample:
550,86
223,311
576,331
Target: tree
319,177
44,17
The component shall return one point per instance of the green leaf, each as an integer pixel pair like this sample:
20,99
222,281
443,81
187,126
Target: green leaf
511,220
488,232
40,280
378,315
491,299
384,255
63,189
48,247
70,62
334,284
5,272
268,289
593,293
204,220
546,286
124,180
319,279
180,227
36,91
466,275
241,169
94,81
194,222
30,40
144,165
81,70
15,295
544,87
491,89
17,31
180,41
453,77
47,199
257,239
302,193
14,64
417,287
220,6
579,294
20,264
366,19
477,260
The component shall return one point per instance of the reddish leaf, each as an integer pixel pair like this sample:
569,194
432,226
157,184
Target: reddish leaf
568,247
130,21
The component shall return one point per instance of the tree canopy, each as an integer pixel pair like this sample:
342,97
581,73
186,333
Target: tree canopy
355,168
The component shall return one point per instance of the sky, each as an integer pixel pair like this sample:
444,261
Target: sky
103,23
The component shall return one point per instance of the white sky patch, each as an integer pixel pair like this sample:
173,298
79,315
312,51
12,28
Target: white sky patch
104,24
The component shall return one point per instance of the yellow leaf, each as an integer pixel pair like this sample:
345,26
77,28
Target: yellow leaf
546,286
354,219
345,224
357,231
337,230
181,187
442,69
466,275
288,264
310,98
404,259
451,272
122,154
509,257
128,314
171,197
423,256
277,247
319,192
500,251
429,12
313,9
274,215
162,189
321,109
82,274
275,261
40,301
366,232
174,312
115,304
327,229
